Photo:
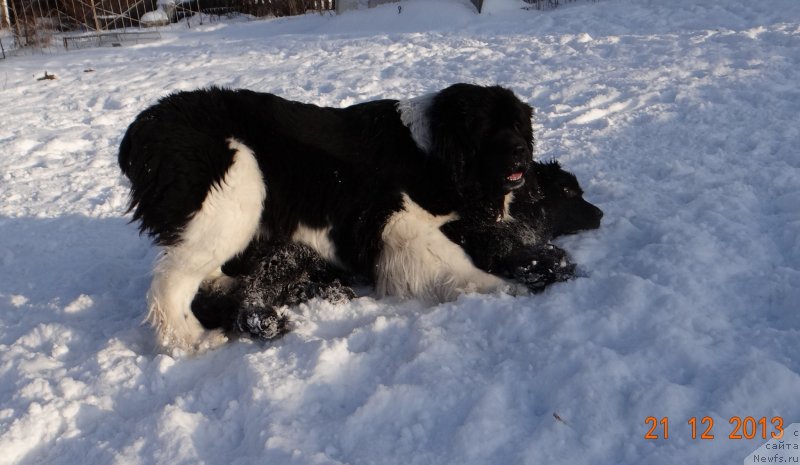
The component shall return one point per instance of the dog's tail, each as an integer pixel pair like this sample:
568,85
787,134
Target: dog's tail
172,165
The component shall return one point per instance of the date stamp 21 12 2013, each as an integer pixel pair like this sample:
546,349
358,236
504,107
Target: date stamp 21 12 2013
782,443
704,428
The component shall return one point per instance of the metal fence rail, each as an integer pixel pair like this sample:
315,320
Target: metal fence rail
113,39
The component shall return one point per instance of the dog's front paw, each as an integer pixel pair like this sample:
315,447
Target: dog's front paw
335,292
304,290
262,323
549,264
536,278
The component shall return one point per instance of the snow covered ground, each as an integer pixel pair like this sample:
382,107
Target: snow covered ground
681,118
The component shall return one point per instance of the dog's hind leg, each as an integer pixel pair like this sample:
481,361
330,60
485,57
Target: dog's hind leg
227,221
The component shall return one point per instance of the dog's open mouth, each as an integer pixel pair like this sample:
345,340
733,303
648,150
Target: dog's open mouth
515,180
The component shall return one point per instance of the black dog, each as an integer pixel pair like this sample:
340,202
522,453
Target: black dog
367,187
272,275
558,207
550,204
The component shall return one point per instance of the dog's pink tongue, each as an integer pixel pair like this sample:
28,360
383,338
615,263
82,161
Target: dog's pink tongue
515,176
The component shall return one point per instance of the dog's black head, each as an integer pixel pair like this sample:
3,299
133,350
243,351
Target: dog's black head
562,203
483,135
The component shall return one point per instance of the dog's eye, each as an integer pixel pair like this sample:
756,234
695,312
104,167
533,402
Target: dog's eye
568,192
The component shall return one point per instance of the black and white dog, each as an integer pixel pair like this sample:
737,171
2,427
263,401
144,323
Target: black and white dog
368,187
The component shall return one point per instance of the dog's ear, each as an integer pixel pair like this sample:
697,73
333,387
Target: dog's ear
456,147
546,171
528,130
456,128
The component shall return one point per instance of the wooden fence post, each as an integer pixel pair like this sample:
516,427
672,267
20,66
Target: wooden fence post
96,22
5,19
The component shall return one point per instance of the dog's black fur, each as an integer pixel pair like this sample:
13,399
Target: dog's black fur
345,172
271,275
550,204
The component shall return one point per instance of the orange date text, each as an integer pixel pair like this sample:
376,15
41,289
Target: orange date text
703,428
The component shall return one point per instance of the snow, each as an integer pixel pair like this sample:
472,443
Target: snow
155,17
681,121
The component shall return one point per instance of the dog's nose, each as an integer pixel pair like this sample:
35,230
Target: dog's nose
521,156
598,213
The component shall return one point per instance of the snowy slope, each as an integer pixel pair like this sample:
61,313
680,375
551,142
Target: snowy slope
681,120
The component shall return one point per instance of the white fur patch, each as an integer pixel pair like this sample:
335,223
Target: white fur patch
227,221
414,115
418,260
507,201
317,239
